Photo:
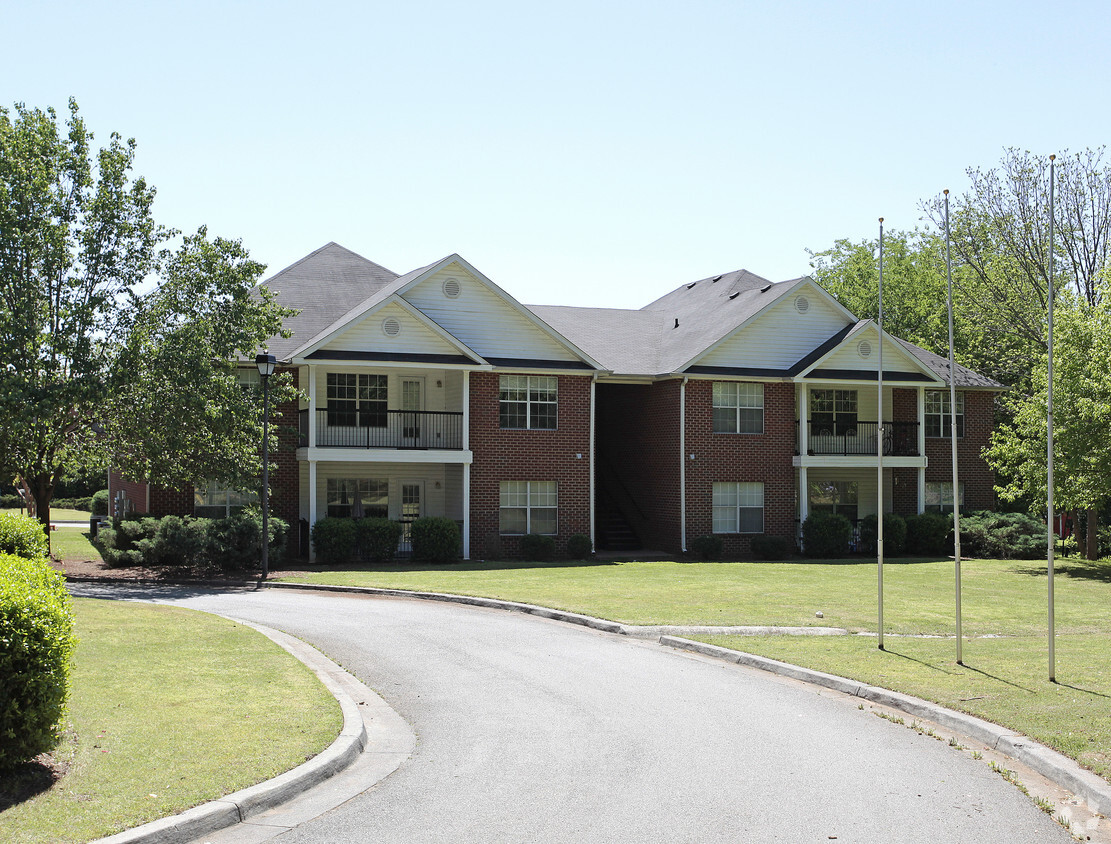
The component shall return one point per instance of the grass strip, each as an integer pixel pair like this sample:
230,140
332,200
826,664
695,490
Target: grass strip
170,708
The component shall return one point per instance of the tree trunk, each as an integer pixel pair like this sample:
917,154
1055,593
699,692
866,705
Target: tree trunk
1091,550
42,488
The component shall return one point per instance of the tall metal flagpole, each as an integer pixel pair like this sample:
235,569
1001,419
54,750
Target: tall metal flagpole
879,454
1050,537
953,436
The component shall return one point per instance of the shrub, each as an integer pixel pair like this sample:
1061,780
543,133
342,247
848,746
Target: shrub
929,533
36,627
235,543
708,547
23,536
771,547
99,503
538,547
894,533
826,535
377,539
436,539
334,540
579,547
1002,536
122,545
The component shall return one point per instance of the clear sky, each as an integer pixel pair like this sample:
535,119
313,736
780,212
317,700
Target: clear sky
586,153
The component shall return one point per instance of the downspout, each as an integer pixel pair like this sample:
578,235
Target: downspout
593,385
683,464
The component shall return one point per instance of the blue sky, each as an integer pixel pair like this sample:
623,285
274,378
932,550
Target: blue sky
589,153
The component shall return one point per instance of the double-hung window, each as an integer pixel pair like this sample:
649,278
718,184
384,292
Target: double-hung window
214,500
738,408
738,508
939,496
527,401
833,412
937,413
369,497
357,399
528,507
841,497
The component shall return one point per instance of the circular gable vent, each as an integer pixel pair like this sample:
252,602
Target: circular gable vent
452,288
802,304
391,327
864,349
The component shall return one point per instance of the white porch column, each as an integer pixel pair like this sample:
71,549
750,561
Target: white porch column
466,511
922,449
466,410
312,504
803,432
312,406
683,464
804,499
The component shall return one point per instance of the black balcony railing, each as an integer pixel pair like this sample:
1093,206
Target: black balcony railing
392,429
900,439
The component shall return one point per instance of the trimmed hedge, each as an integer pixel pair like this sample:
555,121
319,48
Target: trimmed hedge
538,547
377,539
1002,536
436,539
23,536
579,547
36,629
708,547
333,539
826,535
894,533
771,547
930,533
99,503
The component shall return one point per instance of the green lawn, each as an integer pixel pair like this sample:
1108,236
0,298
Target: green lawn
62,514
1005,679
170,708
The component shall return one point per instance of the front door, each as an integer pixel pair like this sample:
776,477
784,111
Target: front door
411,494
412,403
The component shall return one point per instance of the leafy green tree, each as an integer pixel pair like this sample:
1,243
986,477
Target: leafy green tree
1081,419
90,369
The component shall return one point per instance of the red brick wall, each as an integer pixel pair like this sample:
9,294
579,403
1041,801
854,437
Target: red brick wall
516,455
638,440
136,493
764,458
973,472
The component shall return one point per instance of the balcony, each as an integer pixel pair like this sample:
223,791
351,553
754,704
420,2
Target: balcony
396,429
900,439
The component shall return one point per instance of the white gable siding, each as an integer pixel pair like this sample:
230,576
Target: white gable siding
848,356
781,336
482,319
368,335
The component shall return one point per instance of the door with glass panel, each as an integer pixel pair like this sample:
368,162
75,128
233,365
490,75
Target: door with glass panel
412,403
412,493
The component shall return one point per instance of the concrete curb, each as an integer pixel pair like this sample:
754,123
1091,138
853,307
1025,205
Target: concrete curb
235,808
1052,765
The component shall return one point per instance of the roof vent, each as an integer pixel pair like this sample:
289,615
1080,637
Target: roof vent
734,295
452,288
391,327
802,304
864,349
717,278
692,284
676,322
766,287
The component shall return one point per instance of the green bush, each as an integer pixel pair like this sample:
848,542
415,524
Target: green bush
1002,536
826,535
36,630
11,501
538,547
579,547
99,503
128,542
235,543
708,547
377,539
23,536
894,534
333,539
436,539
771,547
929,533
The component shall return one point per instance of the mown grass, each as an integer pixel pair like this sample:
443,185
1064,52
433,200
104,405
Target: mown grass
61,514
72,544
170,708
1004,679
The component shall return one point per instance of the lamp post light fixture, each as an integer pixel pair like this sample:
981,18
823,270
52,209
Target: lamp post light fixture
265,363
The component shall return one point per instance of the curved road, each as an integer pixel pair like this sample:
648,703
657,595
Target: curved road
534,730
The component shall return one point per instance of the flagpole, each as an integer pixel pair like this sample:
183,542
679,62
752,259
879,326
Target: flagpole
1050,536
879,453
953,436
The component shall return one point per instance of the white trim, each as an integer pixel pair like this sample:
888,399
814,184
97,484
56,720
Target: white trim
683,465
872,328
385,455
466,511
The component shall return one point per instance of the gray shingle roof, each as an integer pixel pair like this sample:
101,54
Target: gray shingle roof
323,286
940,367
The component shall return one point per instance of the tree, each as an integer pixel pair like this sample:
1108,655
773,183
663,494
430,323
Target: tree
88,366
75,240
1081,417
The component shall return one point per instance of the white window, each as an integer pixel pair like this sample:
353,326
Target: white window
357,399
833,412
937,414
348,496
738,508
939,496
527,401
214,500
528,507
738,408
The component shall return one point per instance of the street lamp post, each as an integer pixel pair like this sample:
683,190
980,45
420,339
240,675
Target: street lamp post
265,363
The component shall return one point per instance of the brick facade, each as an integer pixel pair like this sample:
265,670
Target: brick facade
562,455
973,471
